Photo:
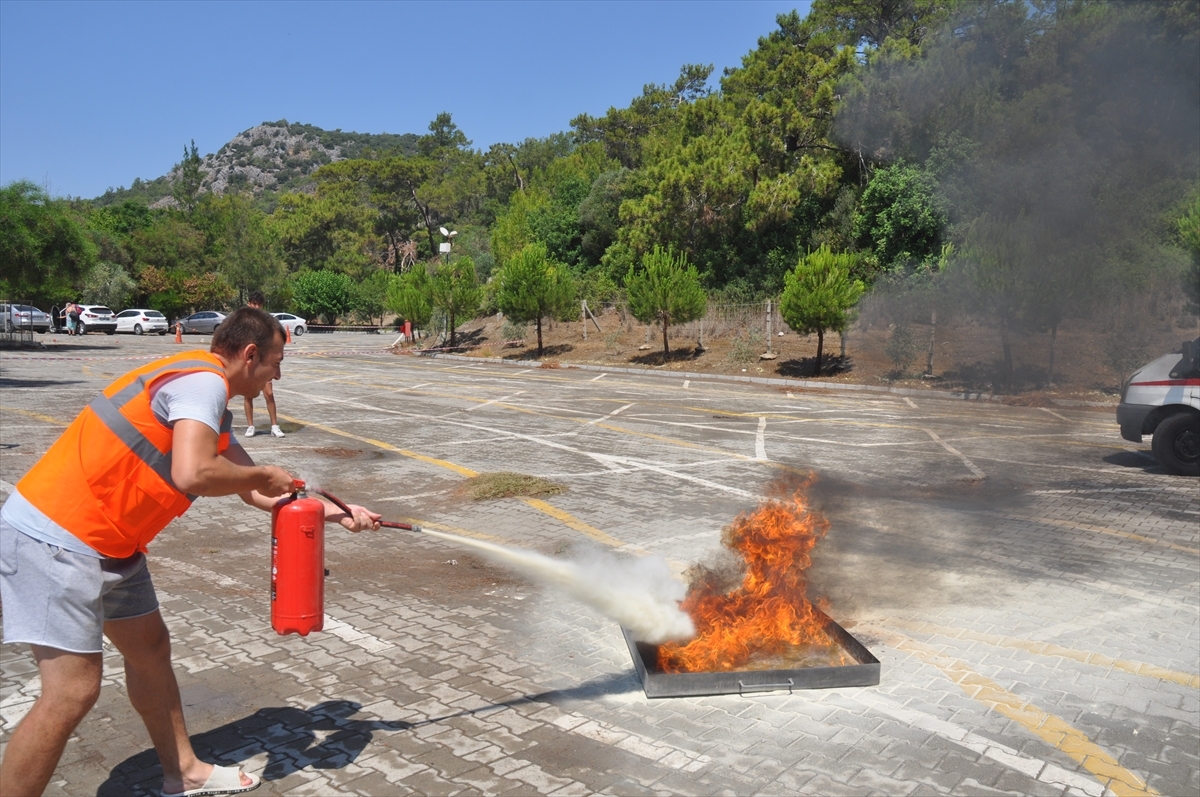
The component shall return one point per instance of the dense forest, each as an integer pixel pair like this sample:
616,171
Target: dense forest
1028,162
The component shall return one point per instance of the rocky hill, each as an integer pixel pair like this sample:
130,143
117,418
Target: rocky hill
267,160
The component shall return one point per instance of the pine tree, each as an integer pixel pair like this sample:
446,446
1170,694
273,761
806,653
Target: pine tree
818,294
408,296
665,291
533,287
454,289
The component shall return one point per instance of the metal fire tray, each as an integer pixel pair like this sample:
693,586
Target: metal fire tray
657,683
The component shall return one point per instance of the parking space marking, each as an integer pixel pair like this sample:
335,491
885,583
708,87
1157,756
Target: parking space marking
970,465
1002,754
760,440
1051,729
558,514
495,401
37,415
1050,649
1070,524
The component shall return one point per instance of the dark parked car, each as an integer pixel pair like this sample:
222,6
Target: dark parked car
23,316
96,318
203,323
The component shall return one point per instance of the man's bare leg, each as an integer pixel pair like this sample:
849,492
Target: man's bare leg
70,686
250,411
154,693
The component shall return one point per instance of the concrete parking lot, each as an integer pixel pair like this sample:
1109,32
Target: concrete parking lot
1029,581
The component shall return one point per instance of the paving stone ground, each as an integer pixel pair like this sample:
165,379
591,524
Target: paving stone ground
1029,581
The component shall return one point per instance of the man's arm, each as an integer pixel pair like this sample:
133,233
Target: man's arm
199,469
361,518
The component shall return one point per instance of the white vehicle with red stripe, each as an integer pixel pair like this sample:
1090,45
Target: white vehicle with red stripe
1162,399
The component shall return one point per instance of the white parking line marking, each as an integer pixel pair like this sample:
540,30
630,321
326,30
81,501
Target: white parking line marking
910,403
686,382
598,378
494,401
760,440
970,465
1055,414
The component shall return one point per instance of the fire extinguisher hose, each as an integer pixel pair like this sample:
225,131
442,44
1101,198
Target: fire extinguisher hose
387,524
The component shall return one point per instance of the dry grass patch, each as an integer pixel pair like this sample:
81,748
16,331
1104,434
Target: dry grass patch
509,485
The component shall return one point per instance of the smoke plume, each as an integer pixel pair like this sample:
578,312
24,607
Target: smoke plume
639,593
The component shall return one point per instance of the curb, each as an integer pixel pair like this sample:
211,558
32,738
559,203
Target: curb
758,380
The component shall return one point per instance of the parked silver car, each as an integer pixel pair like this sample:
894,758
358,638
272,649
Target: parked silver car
23,316
205,322
96,318
140,321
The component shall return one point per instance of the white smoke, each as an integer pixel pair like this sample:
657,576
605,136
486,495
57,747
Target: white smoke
639,593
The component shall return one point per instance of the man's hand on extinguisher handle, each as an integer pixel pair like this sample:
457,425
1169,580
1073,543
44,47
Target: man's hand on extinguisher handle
274,481
360,518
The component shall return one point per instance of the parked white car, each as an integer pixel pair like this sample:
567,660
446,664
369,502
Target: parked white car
1162,399
293,323
141,321
96,318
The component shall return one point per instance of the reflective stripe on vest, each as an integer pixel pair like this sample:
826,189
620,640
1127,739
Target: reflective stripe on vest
107,479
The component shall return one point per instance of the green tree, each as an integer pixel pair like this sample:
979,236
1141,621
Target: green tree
818,295
408,296
1189,234
454,289
900,217
240,244
532,287
43,246
665,291
107,283
996,265
370,296
322,293
186,188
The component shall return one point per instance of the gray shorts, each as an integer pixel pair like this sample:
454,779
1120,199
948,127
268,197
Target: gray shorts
61,599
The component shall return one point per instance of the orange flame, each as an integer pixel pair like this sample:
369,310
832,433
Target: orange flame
769,614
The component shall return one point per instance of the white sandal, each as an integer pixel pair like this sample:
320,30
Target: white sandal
223,780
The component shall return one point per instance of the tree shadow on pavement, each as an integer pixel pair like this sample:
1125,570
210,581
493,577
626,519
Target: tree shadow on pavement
289,736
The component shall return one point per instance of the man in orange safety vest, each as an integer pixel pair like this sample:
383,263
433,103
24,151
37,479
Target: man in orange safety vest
73,539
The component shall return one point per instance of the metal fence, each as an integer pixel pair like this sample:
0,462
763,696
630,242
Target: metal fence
14,329
756,323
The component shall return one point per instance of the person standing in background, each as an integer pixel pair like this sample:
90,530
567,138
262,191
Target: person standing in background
256,301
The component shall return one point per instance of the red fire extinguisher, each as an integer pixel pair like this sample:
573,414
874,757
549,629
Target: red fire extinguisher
298,564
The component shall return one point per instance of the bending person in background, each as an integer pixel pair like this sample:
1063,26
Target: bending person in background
73,539
256,301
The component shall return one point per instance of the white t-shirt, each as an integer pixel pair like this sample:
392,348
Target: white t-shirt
195,396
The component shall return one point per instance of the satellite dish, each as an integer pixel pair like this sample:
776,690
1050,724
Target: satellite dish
444,231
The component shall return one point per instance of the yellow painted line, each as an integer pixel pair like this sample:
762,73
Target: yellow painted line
441,463
1105,530
573,522
1051,729
1050,649
558,514
37,416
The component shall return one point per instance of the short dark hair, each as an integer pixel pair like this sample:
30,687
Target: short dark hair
243,327
256,297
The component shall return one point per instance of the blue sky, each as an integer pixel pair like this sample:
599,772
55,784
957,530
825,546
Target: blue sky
95,94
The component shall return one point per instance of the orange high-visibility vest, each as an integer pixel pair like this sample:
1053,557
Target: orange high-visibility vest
107,479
